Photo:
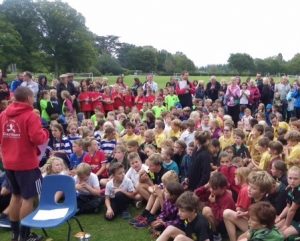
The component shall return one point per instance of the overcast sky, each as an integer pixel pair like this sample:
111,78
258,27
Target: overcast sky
207,31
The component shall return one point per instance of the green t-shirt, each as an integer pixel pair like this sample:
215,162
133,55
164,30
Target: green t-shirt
266,234
158,110
171,100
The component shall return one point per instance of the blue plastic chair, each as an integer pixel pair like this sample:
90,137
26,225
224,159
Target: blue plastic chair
51,185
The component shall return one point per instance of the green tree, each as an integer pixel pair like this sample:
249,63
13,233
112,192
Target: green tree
108,64
293,66
66,40
241,63
10,44
109,44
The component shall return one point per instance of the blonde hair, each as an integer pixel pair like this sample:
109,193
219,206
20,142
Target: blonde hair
83,169
242,174
262,179
47,168
155,159
294,169
169,176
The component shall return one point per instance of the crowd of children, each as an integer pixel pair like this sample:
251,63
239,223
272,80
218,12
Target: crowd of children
225,163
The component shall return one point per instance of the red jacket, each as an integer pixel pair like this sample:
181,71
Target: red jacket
20,134
229,173
254,94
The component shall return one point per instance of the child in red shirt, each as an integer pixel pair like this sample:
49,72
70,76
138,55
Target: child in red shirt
96,98
107,100
216,198
117,98
85,99
128,98
150,97
96,158
139,99
243,200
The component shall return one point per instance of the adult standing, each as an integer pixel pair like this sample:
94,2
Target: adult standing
137,84
184,90
17,82
65,84
4,89
20,134
212,88
254,95
150,83
29,83
232,97
266,92
283,89
259,82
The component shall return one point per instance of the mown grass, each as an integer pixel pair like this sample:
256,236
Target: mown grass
98,227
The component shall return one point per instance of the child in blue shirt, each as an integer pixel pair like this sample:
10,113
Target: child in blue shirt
168,164
78,154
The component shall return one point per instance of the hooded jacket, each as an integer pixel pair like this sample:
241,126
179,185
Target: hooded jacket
20,134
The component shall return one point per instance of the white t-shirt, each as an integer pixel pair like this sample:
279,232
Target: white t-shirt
134,176
244,100
126,186
187,136
92,181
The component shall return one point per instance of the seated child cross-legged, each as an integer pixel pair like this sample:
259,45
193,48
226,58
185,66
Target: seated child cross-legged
155,201
216,199
119,191
195,227
88,189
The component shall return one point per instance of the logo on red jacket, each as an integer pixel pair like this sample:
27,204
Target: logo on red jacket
11,130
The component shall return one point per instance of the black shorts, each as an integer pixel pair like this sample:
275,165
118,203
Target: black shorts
27,184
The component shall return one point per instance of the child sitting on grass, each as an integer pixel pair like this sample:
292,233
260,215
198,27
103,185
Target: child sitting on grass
88,190
119,191
195,226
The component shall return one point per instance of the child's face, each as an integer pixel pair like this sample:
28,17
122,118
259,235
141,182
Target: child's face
227,131
76,148
129,130
119,155
73,130
293,179
94,146
240,125
174,127
57,166
148,151
119,175
136,164
185,214
190,150
254,191
83,178
275,172
56,133
154,168
132,148
165,155
217,191
238,140
254,223
225,161
206,121
177,148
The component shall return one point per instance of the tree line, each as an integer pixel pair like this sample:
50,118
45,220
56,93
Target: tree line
51,37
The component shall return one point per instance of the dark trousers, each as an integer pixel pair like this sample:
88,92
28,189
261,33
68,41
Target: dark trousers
89,204
118,204
297,111
234,112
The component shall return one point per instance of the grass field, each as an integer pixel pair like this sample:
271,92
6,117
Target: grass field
98,227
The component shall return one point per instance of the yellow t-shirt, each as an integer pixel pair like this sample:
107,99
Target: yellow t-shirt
252,145
224,142
281,125
264,161
172,133
126,138
293,158
160,138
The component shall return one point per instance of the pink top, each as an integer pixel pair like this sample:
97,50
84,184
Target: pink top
232,94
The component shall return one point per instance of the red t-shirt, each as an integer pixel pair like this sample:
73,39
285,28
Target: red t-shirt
129,100
150,99
96,100
96,161
139,101
118,100
107,106
229,173
85,100
243,200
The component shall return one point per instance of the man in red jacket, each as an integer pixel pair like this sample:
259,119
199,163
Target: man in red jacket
20,134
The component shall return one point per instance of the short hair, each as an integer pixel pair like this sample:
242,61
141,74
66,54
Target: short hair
115,167
293,135
188,201
262,179
217,180
223,154
169,176
150,146
22,93
191,144
181,143
269,135
277,146
133,143
175,189
253,122
121,148
177,123
260,128
133,156
264,142
169,151
280,166
240,133
28,74
294,169
264,212
78,142
83,169
202,137
160,124
215,143
130,125
155,159
272,116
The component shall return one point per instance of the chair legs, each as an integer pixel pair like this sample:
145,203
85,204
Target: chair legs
69,231
79,224
45,233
